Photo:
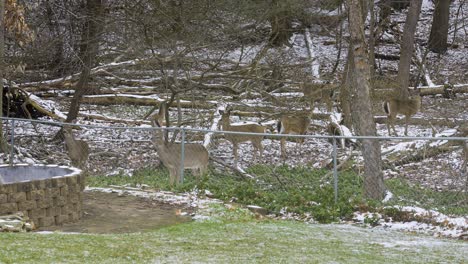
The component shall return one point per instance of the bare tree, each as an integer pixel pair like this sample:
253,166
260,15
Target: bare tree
280,21
3,147
440,27
89,50
407,48
361,107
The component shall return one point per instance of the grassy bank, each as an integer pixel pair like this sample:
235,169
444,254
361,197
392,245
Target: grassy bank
298,190
234,242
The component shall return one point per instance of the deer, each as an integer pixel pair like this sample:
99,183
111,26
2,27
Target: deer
236,139
196,156
407,107
292,125
78,150
317,92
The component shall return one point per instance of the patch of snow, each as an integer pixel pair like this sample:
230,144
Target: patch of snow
388,196
312,54
435,223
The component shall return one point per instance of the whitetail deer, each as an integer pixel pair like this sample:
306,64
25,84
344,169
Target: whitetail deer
196,156
408,107
236,139
319,92
78,150
292,125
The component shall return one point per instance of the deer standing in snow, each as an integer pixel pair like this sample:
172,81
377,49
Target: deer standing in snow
236,139
196,156
78,150
318,92
408,107
289,124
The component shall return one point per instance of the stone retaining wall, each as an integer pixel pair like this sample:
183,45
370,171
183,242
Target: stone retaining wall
46,202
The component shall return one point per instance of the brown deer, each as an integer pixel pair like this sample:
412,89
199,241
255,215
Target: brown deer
318,92
292,125
407,107
78,150
196,156
236,139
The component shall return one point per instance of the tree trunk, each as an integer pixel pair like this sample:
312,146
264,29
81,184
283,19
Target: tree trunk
440,27
280,22
3,145
407,48
89,49
344,91
372,38
347,80
57,38
361,107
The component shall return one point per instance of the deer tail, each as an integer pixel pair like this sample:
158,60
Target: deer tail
386,107
278,126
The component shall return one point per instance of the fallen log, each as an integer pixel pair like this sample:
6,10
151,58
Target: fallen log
118,99
452,122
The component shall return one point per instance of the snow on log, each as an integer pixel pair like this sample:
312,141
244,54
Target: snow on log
117,99
114,120
60,81
452,122
214,126
46,107
444,89
311,53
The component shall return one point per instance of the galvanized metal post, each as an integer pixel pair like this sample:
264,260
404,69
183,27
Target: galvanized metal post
12,142
182,155
335,171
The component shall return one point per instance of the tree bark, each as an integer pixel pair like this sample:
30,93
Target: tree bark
407,48
372,38
3,145
89,50
344,90
280,25
440,27
361,107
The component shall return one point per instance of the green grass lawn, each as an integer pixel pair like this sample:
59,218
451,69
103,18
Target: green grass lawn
236,236
245,241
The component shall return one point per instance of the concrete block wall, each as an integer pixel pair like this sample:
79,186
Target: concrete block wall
46,202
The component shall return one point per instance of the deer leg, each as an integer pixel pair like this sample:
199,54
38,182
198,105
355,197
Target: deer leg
311,108
203,170
174,174
406,124
283,150
260,149
391,124
171,176
255,149
234,150
388,125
